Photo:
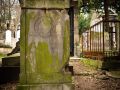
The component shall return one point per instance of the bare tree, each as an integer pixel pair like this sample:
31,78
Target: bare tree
5,12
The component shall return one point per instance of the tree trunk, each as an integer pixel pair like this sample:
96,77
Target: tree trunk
106,23
106,4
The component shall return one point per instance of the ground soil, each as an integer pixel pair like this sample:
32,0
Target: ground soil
84,79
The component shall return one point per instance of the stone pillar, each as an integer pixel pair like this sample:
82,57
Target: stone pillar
44,45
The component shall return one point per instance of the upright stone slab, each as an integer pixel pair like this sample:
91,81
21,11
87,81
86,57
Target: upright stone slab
44,45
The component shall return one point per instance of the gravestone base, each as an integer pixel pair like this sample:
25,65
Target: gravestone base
66,86
13,60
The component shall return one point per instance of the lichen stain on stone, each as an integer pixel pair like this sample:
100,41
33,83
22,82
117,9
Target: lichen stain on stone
32,58
47,38
66,43
45,58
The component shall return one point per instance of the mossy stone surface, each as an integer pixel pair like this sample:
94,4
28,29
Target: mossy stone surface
44,46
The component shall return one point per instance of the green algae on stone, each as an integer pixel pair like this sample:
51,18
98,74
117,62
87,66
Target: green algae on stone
45,58
49,78
25,22
66,46
48,70
22,49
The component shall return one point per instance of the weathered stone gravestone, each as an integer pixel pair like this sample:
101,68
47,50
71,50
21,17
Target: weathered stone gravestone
18,35
45,45
8,37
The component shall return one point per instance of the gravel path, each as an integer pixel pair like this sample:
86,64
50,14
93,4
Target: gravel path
87,79
91,83
8,86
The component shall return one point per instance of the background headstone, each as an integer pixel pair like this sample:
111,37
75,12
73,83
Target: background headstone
8,37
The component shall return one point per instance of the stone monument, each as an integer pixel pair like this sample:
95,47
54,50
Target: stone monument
44,45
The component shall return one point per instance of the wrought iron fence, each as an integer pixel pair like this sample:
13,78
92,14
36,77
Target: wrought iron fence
102,40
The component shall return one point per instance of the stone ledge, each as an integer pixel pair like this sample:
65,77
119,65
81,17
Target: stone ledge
66,86
46,3
46,78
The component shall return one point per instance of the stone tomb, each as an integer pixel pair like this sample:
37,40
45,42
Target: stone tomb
13,60
10,69
45,45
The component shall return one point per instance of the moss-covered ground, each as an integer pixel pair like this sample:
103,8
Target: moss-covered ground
111,67
92,64
2,55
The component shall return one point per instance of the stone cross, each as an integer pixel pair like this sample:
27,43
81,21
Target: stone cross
44,45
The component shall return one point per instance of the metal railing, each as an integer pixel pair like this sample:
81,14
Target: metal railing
102,38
